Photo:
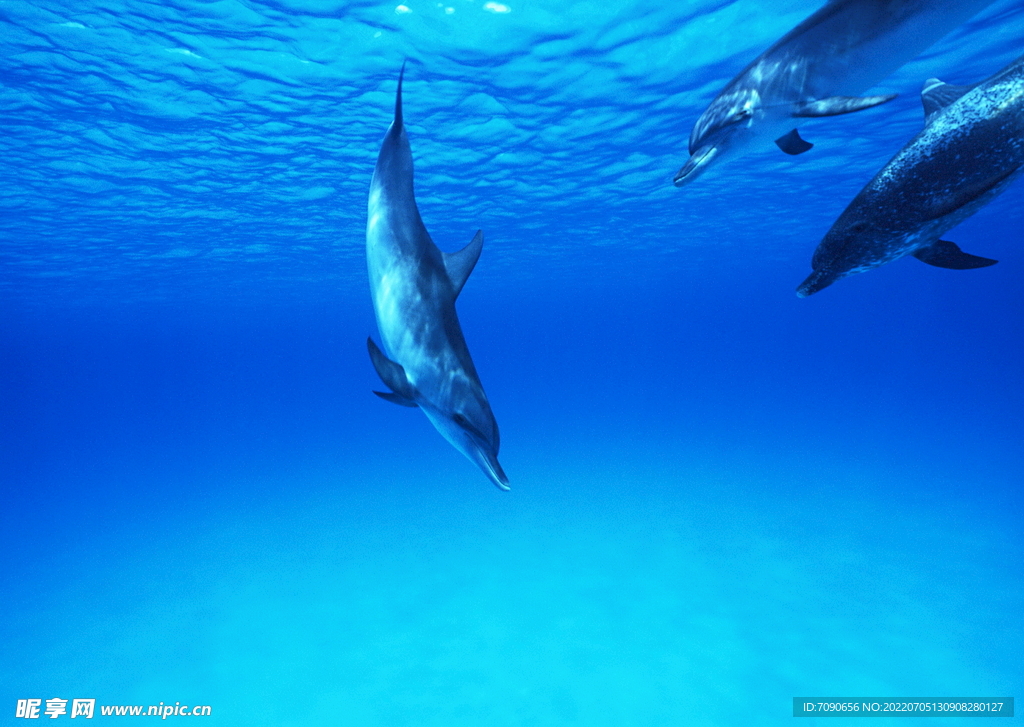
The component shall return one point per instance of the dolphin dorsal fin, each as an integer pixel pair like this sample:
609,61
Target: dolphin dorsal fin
460,264
936,95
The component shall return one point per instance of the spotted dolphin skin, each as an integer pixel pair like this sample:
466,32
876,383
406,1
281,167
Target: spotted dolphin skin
818,69
414,286
971,149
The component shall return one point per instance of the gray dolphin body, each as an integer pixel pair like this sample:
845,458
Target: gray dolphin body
815,70
414,286
971,149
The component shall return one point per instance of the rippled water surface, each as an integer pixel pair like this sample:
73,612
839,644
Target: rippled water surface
723,496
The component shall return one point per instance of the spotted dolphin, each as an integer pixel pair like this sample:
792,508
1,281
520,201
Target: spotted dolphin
970,150
414,286
818,69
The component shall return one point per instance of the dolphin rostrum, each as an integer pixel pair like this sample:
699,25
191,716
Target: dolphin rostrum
970,150
818,69
414,286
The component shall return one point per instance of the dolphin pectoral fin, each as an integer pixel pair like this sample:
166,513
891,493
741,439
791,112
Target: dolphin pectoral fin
936,95
396,399
836,105
460,264
390,373
793,144
946,254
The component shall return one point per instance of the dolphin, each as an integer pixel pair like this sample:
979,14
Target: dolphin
970,150
414,286
818,69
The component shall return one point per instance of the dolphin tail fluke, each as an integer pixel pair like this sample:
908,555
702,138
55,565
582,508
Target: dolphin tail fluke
793,144
398,98
460,264
392,374
836,105
946,254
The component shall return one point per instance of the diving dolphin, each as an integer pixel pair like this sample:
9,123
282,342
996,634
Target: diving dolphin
970,150
414,286
818,69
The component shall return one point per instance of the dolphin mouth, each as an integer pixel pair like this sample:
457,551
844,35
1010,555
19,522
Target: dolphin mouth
695,165
487,461
816,281
496,473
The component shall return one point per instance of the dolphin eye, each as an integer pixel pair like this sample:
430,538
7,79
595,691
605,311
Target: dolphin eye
741,115
460,420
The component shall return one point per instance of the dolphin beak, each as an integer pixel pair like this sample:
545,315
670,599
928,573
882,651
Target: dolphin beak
695,165
818,280
489,464
497,474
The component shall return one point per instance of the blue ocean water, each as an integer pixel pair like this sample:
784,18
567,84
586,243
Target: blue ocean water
723,497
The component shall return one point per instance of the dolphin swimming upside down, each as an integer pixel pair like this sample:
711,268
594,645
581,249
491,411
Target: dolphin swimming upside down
414,286
970,150
818,69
